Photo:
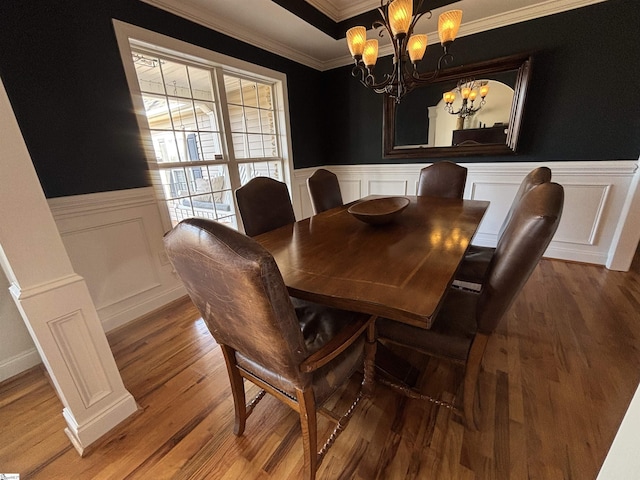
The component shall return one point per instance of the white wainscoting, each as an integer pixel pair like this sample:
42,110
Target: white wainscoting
595,194
114,241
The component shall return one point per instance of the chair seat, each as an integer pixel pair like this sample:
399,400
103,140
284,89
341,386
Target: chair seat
475,264
450,335
319,324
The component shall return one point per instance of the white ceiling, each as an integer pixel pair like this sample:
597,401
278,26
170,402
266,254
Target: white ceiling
267,25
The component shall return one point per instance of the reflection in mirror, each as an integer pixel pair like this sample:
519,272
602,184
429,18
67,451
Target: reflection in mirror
425,125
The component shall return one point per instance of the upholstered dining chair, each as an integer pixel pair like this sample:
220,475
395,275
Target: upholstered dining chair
264,205
473,268
324,190
297,351
466,319
443,179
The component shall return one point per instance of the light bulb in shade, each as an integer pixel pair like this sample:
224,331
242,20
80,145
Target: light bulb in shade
448,97
356,37
466,91
484,89
400,13
370,53
448,25
473,94
416,47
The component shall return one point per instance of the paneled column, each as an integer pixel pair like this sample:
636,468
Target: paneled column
53,300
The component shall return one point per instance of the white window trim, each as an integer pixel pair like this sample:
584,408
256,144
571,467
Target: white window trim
128,35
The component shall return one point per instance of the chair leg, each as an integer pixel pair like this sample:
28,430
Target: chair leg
368,383
472,371
309,426
237,389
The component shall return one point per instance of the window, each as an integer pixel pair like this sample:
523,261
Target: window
209,127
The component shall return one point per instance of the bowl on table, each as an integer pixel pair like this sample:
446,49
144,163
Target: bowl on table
379,211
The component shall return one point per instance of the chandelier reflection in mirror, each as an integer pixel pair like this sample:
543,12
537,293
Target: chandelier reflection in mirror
398,20
469,91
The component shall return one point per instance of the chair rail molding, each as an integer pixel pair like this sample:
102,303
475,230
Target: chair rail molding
598,226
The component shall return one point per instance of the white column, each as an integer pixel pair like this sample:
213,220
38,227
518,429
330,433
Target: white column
53,300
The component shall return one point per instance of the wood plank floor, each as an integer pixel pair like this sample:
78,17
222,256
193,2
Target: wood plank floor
558,376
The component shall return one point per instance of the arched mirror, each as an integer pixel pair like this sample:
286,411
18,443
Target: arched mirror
433,121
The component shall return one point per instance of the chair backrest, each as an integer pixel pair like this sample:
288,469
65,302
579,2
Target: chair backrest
264,205
537,176
443,179
237,287
324,190
535,221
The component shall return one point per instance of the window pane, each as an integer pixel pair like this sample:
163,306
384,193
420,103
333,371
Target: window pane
265,96
232,89
148,72
270,146
236,119
239,145
210,146
174,182
175,79
201,87
267,121
249,93
252,118
182,114
255,146
206,116
157,112
164,144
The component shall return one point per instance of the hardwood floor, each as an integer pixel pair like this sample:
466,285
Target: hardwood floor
558,376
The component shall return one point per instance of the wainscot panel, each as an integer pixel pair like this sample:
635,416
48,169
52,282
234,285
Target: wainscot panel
114,241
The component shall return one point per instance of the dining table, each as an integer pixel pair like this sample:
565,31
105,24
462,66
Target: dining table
399,270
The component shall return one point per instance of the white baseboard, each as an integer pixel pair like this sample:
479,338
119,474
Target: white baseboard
19,363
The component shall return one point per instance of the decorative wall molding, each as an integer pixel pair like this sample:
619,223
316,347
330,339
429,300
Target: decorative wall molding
114,241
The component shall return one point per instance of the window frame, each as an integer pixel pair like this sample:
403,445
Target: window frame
132,37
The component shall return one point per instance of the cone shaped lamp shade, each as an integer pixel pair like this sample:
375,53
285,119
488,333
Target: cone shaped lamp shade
448,25
400,16
370,54
356,37
416,47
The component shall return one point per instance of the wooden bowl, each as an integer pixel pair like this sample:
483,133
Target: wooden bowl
379,211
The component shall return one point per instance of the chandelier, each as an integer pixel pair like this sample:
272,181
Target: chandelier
398,20
469,91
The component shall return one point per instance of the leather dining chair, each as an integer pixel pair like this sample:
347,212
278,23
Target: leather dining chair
297,351
264,205
443,179
473,268
466,319
324,190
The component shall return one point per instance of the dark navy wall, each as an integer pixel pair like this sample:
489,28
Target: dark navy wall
61,67
583,103
60,64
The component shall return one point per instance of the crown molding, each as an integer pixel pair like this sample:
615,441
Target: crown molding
238,32
243,34
338,14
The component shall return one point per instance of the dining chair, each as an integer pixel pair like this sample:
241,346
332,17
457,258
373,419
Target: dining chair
264,205
466,319
475,263
297,351
443,179
324,190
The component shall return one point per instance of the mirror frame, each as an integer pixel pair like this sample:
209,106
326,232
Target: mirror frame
521,63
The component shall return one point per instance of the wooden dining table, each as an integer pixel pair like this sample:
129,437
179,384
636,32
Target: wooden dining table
400,270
